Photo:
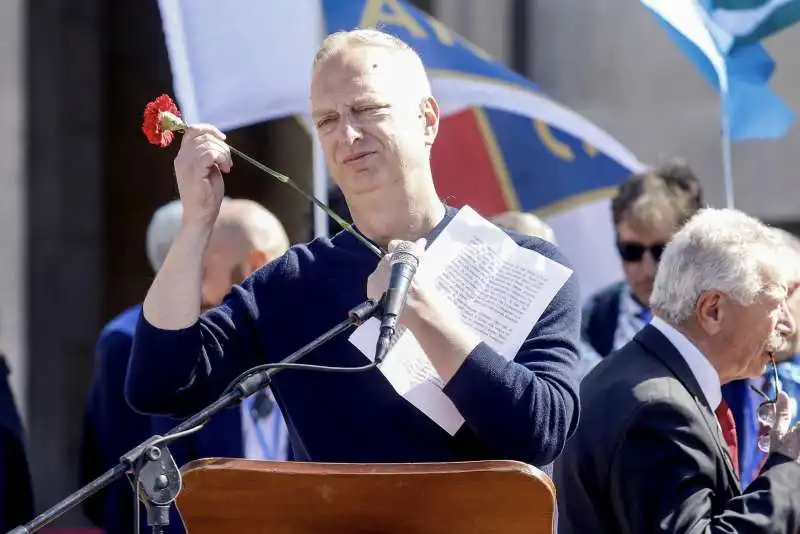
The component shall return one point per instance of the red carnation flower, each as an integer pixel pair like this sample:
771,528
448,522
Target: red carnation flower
161,120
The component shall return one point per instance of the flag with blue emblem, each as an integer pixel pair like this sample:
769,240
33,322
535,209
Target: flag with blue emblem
503,144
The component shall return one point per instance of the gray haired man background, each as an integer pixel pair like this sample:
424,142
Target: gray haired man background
655,450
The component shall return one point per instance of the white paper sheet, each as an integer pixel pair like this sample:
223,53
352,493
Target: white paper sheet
500,289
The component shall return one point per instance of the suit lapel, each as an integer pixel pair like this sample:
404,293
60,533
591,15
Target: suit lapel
660,347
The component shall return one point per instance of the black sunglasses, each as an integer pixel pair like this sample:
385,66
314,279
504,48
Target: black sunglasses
767,410
635,251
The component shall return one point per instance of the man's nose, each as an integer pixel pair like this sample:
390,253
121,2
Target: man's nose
649,264
350,132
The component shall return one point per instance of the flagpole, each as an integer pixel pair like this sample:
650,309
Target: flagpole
727,170
320,170
320,185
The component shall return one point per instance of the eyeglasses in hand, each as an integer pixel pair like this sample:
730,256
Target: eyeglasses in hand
767,411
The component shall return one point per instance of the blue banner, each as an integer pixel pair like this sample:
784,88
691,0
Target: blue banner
438,46
541,161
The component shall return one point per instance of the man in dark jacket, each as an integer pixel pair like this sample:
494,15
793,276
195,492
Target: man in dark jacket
656,448
647,210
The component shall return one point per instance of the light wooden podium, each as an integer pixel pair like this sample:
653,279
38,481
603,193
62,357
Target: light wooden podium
247,496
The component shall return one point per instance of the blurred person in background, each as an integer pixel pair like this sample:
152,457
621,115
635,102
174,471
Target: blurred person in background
110,427
743,395
682,180
647,210
245,237
16,488
526,224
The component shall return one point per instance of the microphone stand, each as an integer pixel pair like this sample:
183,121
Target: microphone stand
157,476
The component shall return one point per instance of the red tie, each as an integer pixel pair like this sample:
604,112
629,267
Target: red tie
725,418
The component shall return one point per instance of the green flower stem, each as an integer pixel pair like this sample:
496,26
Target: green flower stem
169,121
288,181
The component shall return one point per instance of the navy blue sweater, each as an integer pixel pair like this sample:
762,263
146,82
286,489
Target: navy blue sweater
522,410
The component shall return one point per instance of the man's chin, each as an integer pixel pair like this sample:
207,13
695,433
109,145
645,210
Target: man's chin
642,296
758,366
762,368
784,354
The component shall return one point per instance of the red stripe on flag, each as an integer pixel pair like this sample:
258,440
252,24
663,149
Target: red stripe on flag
462,167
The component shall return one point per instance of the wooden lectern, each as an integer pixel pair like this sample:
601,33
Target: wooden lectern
222,496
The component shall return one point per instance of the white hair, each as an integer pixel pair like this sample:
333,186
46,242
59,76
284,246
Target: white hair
525,223
717,250
338,42
161,232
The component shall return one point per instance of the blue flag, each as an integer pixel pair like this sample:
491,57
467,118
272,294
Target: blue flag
740,73
751,21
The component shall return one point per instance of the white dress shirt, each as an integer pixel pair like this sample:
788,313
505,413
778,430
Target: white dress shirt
701,368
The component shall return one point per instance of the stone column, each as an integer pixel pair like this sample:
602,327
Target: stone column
12,197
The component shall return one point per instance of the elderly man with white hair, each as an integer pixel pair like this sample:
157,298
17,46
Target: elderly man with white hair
245,237
655,450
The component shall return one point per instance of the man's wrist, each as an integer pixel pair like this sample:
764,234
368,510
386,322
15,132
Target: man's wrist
440,318
441,333
195,231
786,444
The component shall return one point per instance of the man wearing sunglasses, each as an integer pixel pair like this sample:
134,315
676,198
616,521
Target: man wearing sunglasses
647,210
655,450
751,400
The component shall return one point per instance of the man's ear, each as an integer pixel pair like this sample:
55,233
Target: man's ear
430,112
256,260
710,310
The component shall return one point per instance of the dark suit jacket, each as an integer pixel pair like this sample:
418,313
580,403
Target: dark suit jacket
648,456
599,318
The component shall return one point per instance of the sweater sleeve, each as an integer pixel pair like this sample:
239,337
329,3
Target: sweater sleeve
526,409
178,372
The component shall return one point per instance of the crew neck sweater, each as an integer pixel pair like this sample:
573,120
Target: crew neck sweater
521,410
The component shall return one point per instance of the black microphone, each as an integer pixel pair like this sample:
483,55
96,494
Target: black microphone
404,265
